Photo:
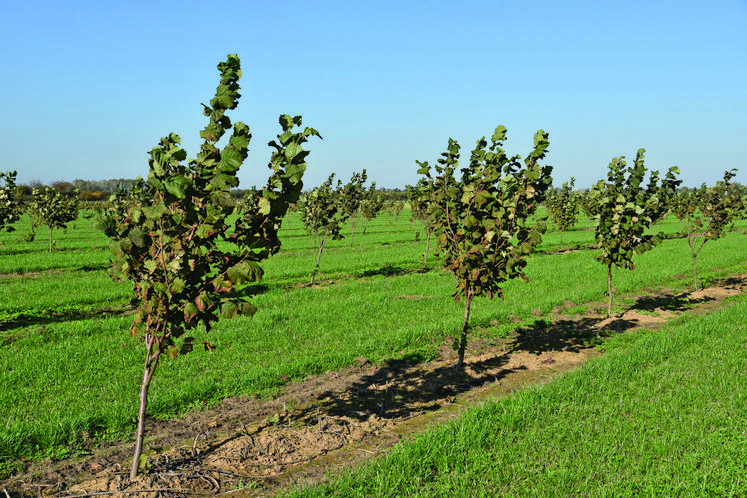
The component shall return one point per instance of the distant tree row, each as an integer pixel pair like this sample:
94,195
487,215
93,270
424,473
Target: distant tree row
483,214
46,206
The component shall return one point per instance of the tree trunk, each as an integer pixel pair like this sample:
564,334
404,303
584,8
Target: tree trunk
151,362
561,240
609,290
365,227
50,239
427,247
318,259
463,337
695,271
695,248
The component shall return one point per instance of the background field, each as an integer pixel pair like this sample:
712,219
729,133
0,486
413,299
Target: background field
69,368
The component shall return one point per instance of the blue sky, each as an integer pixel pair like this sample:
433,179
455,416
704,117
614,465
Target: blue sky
89,87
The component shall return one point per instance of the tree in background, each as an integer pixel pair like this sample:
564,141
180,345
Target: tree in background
323,212
708,212
371,205
563,205
420,197
679,205
353,194
394,207
482,217
10,208
54,209
188,249
587,203
626,209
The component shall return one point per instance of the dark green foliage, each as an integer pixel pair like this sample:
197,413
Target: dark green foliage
482,216
626,210
563,205
10,208
173,239
54,209
707,212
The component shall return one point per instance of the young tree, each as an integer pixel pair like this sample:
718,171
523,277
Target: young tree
353,194
187,248
563,206
482,217
420,197
10,208
709,211
394,207
54,209
323,212
587,203
679,205
371,205
626,210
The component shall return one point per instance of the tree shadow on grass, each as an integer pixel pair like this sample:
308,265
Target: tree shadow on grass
46,317
398,389
666,302
563,335
392,270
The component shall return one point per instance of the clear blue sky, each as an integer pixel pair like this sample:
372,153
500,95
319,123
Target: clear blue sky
88,87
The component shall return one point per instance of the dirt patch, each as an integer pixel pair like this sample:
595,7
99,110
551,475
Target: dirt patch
252,447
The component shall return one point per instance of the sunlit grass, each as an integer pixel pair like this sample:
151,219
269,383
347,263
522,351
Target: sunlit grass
71,366
662,414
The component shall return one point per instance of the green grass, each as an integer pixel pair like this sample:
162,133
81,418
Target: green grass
662,414
68,364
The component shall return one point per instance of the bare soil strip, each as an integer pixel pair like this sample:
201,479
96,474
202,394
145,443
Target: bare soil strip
251,447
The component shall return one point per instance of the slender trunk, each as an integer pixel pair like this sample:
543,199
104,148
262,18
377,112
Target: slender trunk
318,259
609,290
463,337
365,227
695,271
50,239
151,362
561,240
427,247
420,227
352,232
692,241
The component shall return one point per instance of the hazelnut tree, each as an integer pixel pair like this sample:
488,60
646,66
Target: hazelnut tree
482,215
189,250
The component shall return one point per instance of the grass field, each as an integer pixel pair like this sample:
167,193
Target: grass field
662,414
69,366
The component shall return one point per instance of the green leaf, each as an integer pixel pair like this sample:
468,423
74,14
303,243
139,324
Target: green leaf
229,309
155,211
177,186
230,160
151,265
263,206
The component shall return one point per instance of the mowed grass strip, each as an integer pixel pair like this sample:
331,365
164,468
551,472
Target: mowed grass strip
68,370
662,414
